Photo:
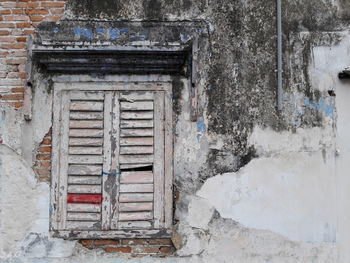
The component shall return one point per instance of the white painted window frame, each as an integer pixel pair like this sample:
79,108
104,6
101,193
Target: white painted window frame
117,83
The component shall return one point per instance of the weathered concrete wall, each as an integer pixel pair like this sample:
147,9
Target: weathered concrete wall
253,184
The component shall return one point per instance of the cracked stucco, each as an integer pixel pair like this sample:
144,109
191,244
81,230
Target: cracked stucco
254,184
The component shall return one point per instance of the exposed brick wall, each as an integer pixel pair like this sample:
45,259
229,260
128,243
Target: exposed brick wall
134,247
42,165
18,19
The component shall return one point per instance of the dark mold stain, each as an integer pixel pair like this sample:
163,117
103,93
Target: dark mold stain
152,9
177,86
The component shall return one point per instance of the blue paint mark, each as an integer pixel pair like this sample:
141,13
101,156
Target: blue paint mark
201,126
55,30
100,31
115,33
184,37
83,32
320,105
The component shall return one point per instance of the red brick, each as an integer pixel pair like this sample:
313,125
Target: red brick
15,104
33,5
21,39
16,61
37,12
17,11
37,18
18,96
57,11
43,157
4,54
17,90
22,75
52,4
44,179
5,12
87,242
44,164
6,25
4,33
103,242
160,241
9,5
118,249
45,149
43,172
53,18
46,141
28,32
167,250
24,25
15,18
7,39
19,53
13,46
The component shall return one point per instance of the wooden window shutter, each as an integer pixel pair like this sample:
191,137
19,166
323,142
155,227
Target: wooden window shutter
112,162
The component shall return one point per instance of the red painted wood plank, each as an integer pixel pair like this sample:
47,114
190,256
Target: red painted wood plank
84,198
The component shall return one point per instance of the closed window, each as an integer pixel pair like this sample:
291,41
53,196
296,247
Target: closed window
112,160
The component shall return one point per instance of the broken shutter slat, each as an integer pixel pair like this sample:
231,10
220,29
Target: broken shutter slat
135,165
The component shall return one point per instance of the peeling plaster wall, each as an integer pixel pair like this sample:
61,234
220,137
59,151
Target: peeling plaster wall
253,184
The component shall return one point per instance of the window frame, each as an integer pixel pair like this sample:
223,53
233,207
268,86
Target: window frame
55,205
